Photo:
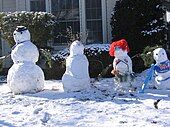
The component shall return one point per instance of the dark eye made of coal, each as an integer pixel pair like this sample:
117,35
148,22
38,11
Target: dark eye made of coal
156,54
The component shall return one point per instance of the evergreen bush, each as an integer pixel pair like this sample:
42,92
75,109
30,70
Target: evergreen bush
140,22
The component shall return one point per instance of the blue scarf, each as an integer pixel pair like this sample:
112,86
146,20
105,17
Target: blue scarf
163,67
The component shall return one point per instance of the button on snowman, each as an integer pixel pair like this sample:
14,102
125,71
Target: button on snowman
76,76
162,68
24,76
122,66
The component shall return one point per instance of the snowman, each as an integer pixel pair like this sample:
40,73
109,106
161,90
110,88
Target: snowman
161,69
122,66
76,76
24,76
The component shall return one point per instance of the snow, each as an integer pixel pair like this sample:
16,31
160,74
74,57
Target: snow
97,107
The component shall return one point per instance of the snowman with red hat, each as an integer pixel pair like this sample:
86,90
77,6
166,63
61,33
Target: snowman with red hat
122,66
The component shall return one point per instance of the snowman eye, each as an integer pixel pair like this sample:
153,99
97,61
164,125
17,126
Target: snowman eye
14,34
162,53
156,54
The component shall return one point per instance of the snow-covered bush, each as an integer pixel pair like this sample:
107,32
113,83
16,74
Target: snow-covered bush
100,62
40,25
97,54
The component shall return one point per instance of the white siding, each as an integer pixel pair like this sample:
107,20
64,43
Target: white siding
104,21
110,5
21,5
8,5
167,16
0,5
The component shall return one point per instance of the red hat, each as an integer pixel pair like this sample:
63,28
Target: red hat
121,44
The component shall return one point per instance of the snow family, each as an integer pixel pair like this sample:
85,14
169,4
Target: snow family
26,77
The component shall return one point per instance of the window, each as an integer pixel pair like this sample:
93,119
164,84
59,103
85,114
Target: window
67,13
94,21
37,5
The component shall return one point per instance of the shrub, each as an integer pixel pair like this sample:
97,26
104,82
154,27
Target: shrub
147,55
99,59
140,22
97,55
40,25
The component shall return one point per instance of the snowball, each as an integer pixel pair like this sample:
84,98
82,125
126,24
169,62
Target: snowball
25,78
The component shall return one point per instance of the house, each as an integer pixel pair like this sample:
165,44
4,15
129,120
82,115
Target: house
91,18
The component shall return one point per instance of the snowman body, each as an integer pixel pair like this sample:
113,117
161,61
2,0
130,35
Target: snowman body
76,76
24,76
25,51
123,65
162,69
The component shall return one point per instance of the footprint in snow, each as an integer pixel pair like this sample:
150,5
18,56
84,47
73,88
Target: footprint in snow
15,112
46,117
36,111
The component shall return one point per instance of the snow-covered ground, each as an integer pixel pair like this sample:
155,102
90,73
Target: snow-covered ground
98,107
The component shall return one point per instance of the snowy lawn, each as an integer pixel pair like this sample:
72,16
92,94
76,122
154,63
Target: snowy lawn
98,107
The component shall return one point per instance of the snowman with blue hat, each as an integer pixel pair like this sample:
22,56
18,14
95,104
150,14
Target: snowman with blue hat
24,76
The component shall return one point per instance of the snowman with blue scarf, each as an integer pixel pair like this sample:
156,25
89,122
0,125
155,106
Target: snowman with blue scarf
160,70
24,76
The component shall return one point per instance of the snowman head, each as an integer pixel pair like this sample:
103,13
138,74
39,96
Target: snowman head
160,55
119,52
21,34
76,48
119,48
